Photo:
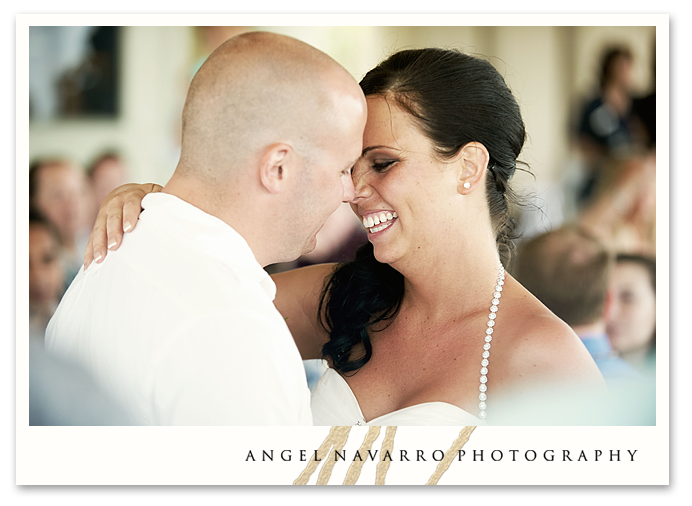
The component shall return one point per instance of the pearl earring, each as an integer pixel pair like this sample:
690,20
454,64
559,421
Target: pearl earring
467,185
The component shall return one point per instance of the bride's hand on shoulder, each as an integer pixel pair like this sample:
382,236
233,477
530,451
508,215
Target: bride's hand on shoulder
118,214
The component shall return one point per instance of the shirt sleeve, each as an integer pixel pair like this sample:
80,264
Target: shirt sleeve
231,368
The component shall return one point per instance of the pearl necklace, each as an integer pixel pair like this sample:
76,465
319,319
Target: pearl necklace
489,337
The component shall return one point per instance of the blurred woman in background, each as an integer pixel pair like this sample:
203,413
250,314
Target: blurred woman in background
632,322
46,277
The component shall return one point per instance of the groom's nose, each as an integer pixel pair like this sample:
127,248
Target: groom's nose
349,190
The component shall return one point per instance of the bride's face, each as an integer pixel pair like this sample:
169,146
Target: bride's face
404,192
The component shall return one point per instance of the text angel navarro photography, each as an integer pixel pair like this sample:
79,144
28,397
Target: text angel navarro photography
512,455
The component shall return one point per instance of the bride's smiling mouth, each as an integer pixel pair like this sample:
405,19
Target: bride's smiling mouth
378,221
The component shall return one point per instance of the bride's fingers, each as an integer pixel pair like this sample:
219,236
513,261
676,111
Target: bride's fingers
97,241
114,230
131,210
119,214
123,211
89,252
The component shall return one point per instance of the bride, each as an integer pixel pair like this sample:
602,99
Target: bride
424,327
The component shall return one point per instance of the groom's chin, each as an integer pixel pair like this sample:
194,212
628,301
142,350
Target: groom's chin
310,246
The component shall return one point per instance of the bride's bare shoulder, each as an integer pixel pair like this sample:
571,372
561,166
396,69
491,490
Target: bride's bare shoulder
540,345
543,373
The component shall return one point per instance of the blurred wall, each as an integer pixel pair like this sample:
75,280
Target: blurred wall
155,72
550,69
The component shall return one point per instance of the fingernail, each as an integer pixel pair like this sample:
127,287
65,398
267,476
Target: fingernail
127,226
110,246
98,258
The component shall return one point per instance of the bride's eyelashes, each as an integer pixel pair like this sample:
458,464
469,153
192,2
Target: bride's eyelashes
381,166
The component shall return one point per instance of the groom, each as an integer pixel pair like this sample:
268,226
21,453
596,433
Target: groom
178,323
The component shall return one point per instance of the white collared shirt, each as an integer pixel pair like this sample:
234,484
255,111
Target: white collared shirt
179,324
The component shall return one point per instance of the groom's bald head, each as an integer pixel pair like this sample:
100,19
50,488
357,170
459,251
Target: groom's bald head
260,88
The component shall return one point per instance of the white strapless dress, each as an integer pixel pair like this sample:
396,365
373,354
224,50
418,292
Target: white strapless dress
333,403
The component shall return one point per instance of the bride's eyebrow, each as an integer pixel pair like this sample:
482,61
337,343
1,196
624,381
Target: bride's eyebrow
370,148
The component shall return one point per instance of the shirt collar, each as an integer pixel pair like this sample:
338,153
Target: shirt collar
209,234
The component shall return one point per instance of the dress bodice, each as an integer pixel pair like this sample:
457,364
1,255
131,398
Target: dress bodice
333,403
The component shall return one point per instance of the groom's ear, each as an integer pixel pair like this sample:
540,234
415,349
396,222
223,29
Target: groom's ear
277,166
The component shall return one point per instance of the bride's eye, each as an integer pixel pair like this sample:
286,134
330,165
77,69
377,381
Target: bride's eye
380,166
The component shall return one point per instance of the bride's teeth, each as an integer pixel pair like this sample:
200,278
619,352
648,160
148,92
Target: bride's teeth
377,222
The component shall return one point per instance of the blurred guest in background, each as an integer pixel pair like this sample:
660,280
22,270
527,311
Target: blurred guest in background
644,109
105,174
644,112
568,271
46,277
604,129
622,213
57,190
632,322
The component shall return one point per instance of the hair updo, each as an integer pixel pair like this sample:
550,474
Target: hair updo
455,99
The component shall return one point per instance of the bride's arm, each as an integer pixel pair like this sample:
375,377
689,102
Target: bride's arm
297,299
118,214
298,291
